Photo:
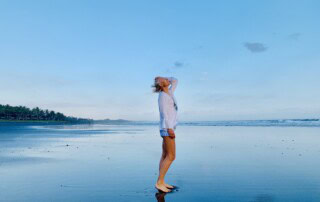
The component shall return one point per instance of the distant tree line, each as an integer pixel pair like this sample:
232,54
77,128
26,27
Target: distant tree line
21,113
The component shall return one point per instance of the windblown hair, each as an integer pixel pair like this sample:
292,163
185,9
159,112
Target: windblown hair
156,87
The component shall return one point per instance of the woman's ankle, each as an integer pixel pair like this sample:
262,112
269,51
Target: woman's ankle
160,181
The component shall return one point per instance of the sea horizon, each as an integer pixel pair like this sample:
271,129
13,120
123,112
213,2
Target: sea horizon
267,122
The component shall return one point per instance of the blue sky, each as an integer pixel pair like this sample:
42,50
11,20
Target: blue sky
235,60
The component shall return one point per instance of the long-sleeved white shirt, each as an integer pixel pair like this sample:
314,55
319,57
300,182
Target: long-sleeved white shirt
168,107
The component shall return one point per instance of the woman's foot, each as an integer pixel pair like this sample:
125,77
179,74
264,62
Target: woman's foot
162,187
168,185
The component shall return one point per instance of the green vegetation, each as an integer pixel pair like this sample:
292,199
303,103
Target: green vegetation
21,113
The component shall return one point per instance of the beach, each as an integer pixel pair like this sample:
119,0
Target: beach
120,163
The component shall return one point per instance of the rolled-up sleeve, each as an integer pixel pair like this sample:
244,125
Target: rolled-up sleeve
163,109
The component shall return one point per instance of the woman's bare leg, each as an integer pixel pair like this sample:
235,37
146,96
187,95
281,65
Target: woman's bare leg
163,156
170,147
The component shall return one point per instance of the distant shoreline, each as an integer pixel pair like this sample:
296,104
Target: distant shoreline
34,121
105,121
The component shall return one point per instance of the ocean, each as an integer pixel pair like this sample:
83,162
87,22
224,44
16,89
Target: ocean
247,161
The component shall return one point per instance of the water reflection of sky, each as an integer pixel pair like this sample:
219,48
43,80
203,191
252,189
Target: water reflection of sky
120,163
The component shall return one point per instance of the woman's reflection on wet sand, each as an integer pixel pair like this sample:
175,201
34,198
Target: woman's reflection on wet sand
160,196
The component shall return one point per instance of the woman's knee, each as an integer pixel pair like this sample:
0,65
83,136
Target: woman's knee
170,148
171,157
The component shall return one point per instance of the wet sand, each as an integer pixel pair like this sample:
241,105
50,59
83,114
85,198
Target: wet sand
120,163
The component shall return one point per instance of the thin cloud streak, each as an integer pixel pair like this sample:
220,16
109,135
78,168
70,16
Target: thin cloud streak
255,47
295,36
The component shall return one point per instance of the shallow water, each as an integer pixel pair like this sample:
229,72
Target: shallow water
120,163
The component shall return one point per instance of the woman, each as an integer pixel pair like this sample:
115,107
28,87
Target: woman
168,121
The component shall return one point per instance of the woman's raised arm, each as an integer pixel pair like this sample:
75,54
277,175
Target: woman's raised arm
174,83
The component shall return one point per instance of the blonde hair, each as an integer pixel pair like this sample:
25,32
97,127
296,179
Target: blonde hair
156,86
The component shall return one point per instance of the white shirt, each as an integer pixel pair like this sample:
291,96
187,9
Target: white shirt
167,109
